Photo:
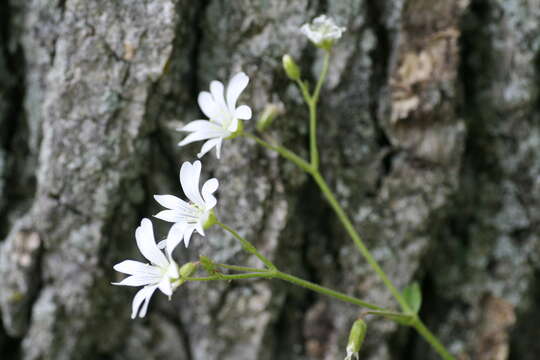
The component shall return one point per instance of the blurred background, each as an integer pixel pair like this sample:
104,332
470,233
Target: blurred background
429,133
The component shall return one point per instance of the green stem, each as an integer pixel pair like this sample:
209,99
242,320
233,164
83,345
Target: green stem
275,274
286,153
419,326
358,241
266,275
322,77
312,105
323,290
248,246
432,340
304,89
241,268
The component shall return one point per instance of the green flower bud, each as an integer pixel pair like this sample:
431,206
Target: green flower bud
269,114
292,70
356,338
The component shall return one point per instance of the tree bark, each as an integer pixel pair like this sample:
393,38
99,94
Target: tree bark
429,133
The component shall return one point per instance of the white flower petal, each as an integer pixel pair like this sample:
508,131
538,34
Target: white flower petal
199,227
203,135
208,105
218,148
169,215
170,201
132,267
187,234
138,280
162,244
209,187
189,179
235,87
165,286
142,297
216,89
207,146
172,271
175,236
243,112
201,125
233,126
147,245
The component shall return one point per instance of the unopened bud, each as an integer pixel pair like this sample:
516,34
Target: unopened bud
356,339
269,114
292,70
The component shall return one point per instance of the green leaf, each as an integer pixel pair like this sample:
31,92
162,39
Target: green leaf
413,296
403,319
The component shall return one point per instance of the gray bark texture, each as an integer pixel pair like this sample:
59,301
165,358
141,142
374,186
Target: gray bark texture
429,133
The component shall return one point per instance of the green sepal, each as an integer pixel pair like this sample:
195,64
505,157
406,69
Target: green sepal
356,336
211,220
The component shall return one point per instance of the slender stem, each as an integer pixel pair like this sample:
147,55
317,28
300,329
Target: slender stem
358,241
241,268
248,246
292,279
432,340
304,89
312,105
323,290
287,154
313,150
322,77
267,275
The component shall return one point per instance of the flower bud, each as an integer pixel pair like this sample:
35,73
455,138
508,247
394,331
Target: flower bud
356,338
292,70
269,114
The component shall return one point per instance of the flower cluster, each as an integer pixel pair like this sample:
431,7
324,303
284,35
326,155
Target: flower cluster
219,106
194,215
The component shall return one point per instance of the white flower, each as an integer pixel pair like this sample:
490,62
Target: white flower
322,31
223,114
192,215
159,275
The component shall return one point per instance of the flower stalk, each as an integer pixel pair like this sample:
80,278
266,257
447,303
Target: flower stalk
312,169
248,246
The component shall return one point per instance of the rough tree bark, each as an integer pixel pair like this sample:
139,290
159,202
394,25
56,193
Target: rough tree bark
430,134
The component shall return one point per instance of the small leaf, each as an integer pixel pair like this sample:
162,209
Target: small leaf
403,319
413,296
